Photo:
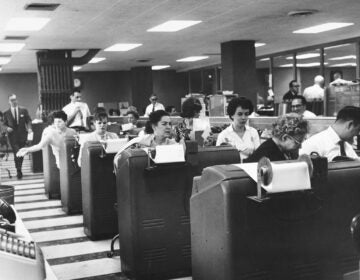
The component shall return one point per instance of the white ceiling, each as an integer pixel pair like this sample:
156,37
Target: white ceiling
84,24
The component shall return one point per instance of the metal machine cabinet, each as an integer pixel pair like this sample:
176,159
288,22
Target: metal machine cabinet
70,177
98,192
153,210
294,235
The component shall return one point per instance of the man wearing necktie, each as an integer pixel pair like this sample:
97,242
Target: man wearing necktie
335,142
154,106
18,124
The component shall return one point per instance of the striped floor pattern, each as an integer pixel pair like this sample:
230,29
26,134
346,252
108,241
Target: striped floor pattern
69,253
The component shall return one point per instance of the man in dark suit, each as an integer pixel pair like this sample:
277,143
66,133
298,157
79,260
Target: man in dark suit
293,91
18,125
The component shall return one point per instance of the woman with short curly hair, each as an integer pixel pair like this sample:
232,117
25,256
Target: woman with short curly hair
287,135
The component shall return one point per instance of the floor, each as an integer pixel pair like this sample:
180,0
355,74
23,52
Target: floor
69,253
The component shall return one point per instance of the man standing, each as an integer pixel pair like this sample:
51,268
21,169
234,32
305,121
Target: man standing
298,105
293,91
154,106
18,124
315,92
77,112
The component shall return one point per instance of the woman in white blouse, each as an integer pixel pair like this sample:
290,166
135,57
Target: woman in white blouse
238,134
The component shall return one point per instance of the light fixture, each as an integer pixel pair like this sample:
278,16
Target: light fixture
122,47
311,64
173,25
259,45
4,60
96,59
353,64
11,47
343,57
337,46
322,27
304,56
265,59
159,67
192,58
76,68
26,24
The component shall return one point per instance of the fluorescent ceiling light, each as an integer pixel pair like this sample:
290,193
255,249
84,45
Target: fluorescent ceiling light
337,46
173,25
304,56
26,24
0,69
311,64
76,68
4,60
265,59
122,47
343,64
343,57
11,47
322,27
192,58
96,59
259,45
159,67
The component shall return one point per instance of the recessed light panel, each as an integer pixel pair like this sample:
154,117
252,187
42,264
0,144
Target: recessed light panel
265,59
323,27
304,56
159,67
26,24
76,68
343,65
343,57
173,25
11,47
4,60
192,58
96,59
259,45
122,47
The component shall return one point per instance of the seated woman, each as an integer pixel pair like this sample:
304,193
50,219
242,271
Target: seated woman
158,132
287,135
100,133
133,120
190,109
52,135
238,134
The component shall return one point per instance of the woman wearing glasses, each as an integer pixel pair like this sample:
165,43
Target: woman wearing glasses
99,134
238,133
287,135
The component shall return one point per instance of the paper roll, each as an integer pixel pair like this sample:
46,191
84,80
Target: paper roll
286,177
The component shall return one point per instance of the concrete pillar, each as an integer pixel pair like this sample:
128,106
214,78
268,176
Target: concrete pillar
238,63
141,87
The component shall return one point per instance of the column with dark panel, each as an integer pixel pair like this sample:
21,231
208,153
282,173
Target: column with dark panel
238,62
141,87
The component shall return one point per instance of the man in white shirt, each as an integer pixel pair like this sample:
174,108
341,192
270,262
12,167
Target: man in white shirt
315,92
77,112
154,106
336,140
298,105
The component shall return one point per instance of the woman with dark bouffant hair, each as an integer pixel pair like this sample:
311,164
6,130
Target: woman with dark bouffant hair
157,132
238,134
287,135
190,109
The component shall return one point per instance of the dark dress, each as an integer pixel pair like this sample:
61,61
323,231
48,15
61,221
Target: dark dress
289,96
267,149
